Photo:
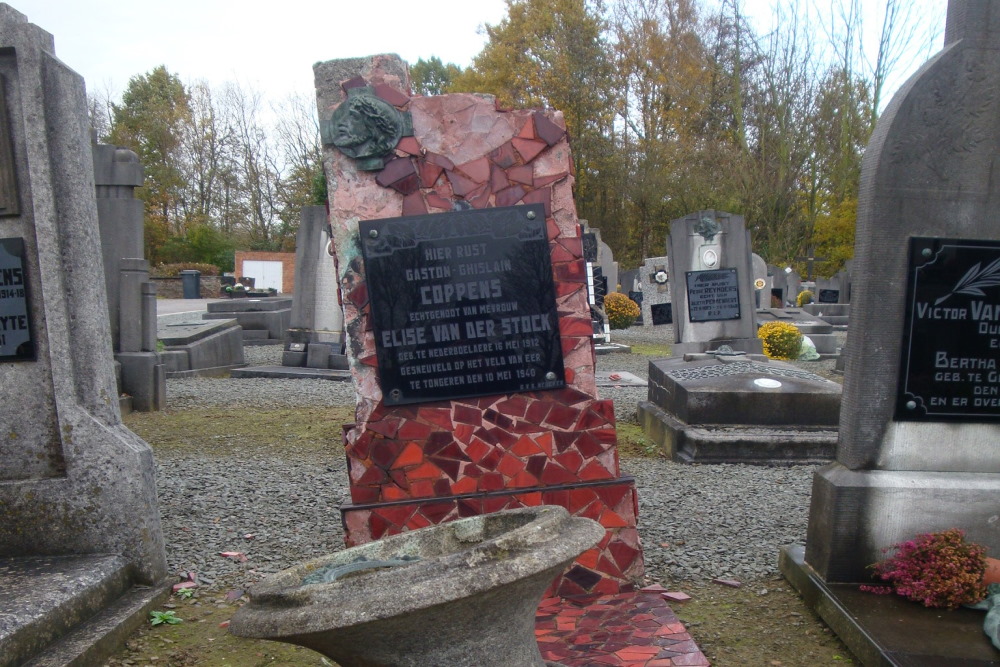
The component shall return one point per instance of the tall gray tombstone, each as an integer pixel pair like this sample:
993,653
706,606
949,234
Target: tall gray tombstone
779,284
74,482
793,282
711,285
131,295
316,328
919,446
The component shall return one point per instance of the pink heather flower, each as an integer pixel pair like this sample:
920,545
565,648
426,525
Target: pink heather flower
935,569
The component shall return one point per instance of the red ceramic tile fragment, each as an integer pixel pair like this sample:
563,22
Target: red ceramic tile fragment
478,170
358,296
362,495
556,474
590,420
372,477
413,430
439,160
527,130
413,204
528,149
546,130
510,466
562,416
503,156
429,173
467,415
522,174
411,455
356,82
422,489
384,452
525,447
395,170
391,95
425,471
571,460
498,179
540,196
461,185
480,198
594,471
510,196
450,467
409,145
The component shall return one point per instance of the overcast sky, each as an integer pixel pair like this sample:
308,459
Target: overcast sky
272,45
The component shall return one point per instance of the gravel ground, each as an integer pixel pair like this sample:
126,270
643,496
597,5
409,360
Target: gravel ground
697,522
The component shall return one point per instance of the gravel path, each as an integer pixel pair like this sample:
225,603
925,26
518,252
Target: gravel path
697,522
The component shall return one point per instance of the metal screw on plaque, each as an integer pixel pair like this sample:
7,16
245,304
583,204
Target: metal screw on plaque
531,215
911,405
373,233
395,394
926,252
550,376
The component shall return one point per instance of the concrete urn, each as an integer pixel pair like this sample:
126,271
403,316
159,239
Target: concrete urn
462,593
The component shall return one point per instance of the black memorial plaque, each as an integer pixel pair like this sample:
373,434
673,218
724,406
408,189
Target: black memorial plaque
463,304
829,296
16,343
713,295
950,362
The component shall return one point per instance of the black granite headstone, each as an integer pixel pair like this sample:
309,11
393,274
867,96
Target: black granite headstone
950,364
463,304
713,295
16,343
663,313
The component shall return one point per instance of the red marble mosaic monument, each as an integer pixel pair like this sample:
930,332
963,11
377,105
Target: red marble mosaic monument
422,464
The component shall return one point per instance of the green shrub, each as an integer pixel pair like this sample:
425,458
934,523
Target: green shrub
805,296
174,270
781,340
621,310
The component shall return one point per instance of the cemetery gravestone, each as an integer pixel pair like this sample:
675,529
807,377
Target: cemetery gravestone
712,293
779,287
921,421
77,493
316,325
456,189
794,286
655,280
131,295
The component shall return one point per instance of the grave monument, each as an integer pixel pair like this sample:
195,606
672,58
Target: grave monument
469,335
315,335
719,399
712,289
654,279
918,449
81,550
131,295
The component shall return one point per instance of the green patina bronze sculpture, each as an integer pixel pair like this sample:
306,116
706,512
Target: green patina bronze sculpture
366,128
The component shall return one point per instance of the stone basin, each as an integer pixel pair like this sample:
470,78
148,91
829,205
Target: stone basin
461,593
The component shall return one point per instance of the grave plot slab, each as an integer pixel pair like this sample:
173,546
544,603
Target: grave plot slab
888,629
739,409
818,329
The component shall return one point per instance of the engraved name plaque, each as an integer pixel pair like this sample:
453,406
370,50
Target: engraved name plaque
463,304
16,343
950,362
713,295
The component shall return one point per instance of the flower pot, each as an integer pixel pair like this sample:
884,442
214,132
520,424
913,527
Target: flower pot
992,574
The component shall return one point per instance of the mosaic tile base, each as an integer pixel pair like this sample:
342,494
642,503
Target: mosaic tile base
609,567
481,445
636,629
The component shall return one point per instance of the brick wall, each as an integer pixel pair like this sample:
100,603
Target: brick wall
287,260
